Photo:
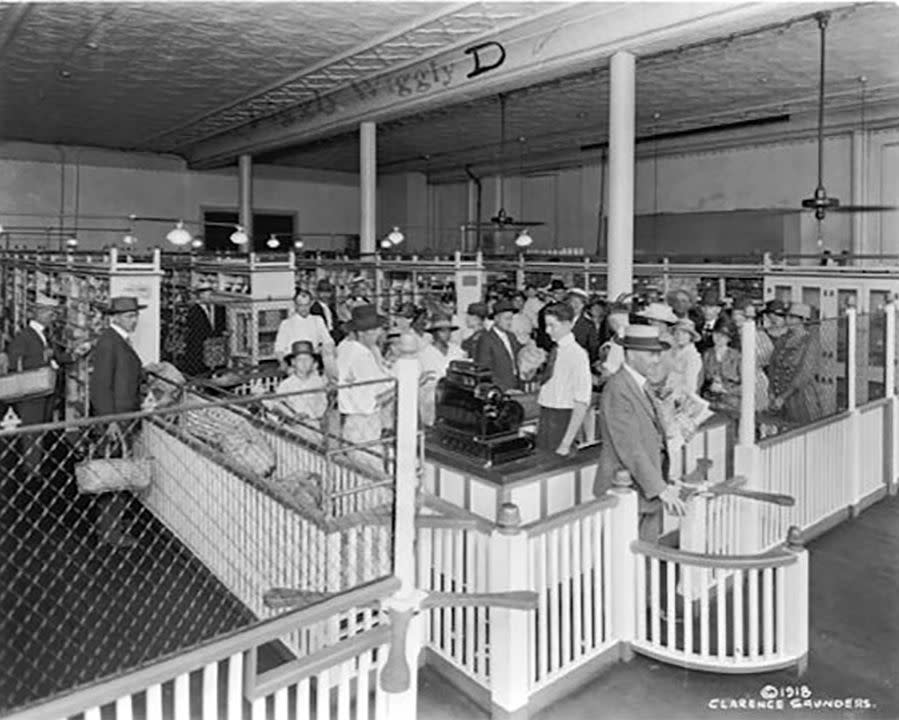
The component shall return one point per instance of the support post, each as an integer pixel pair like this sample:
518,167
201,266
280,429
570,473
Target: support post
852,406
796,592
621,174
623,531
368,178
509,629
245,191
891,446
746,452
399,678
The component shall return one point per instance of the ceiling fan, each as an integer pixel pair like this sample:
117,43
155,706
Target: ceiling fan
502,220
820,202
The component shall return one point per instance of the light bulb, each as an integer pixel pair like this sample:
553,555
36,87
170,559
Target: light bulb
196,243
395,237
298,244
523,240
72,242
129,239
272,242
386,244
178,235
239,237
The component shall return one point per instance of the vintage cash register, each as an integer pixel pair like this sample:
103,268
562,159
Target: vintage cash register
477,419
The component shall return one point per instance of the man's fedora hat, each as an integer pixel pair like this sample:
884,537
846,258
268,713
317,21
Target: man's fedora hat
711,297
642,337
556,284
478,310
503,306
775,307
365,317
324,285
300,347
123,304
441,323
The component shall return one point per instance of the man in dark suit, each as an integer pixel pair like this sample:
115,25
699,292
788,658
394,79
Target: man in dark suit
325,307
115,389
198,329
584,329
709,310
498,348
30,349
633,436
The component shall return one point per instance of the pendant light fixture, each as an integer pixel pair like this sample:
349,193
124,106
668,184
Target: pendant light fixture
72,242
273,243
396,237
524,239
196,243
179,236
298,244
129,239
239,237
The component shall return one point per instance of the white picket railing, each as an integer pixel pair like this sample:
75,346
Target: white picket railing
570,568
752,618
453,557
220,680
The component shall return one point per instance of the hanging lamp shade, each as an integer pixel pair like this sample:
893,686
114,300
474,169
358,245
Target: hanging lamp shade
273,242
523,240
72,242
395,237
178,236
386,244
298,244
196,243
129,239
239,237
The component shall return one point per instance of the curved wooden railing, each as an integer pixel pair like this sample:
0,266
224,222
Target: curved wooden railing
225,674
752,618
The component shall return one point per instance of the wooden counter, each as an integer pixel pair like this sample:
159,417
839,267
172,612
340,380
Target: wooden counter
543,484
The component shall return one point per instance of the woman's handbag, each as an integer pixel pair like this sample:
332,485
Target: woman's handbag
107,474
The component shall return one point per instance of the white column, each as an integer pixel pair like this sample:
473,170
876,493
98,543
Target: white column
747,380
854,420
368,179
892,439
621,175
245,192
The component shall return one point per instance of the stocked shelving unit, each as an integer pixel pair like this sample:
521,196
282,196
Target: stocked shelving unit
83,283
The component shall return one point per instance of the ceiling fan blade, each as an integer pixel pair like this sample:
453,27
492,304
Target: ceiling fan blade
865,208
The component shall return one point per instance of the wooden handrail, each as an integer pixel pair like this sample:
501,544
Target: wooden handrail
538,527
779,557
104,692
803,429
451,511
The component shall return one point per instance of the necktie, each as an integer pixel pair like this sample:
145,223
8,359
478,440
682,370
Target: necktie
656,417
550,365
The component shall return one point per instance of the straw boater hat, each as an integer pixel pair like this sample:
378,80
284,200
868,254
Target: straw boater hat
123,304
300,347
578,292
42,300
642,337
658,312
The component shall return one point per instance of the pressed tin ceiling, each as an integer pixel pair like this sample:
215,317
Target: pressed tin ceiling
763,74
163,77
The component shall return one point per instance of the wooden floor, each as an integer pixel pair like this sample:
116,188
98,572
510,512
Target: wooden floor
854,647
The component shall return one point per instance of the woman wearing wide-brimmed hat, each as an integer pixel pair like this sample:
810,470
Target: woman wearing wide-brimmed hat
685,363
721,381
794,369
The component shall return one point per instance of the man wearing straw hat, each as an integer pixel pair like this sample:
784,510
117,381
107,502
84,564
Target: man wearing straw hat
434,359
115,389
361,362
633,436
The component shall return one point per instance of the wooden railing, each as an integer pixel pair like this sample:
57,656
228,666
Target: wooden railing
220,679
753,618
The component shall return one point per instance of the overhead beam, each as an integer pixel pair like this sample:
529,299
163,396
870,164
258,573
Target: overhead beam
574,38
